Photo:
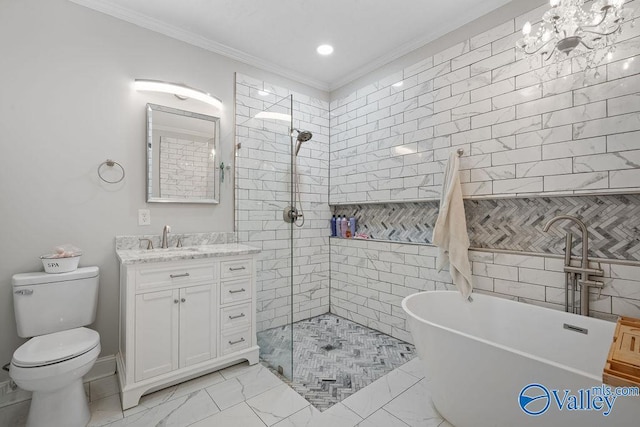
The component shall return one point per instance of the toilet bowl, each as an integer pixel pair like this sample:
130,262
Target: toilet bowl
53,309
51,367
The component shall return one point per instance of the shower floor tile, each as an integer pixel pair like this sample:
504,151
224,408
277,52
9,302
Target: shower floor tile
333,357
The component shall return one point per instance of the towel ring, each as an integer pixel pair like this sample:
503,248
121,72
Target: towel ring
111,163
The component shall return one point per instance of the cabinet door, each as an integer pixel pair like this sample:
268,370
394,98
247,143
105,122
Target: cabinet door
156,333
197,325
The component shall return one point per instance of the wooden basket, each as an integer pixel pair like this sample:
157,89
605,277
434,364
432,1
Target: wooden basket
623,363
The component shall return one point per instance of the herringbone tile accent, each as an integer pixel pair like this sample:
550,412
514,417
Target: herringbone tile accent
516,224
333,357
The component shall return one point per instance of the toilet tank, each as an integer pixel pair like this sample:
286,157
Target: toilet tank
45,303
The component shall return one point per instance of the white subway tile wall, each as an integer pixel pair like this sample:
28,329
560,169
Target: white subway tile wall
526,128
185,168
263,184
480,95
369,279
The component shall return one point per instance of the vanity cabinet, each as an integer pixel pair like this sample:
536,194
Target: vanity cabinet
183,318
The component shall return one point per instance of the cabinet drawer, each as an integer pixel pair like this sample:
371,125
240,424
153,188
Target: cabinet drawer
235,316
235,341
173,274
235,268
235,291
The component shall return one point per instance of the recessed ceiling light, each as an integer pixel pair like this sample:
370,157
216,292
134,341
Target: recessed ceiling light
325,49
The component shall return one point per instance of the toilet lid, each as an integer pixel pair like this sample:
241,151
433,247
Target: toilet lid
56,347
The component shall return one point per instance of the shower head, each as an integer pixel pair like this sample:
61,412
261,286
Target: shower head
303,136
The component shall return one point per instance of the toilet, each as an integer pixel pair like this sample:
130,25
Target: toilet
53,309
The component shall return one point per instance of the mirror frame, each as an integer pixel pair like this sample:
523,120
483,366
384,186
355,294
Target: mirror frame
149,148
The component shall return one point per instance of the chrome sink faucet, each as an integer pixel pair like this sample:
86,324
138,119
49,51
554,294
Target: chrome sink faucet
165,242
584,271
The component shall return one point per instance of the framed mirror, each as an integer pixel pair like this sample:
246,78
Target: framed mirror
181,156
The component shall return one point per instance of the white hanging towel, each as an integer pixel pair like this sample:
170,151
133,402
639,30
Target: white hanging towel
450,231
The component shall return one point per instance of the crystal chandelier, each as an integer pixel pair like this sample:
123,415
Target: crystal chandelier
574,30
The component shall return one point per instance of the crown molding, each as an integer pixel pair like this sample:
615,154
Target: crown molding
169,30
412,45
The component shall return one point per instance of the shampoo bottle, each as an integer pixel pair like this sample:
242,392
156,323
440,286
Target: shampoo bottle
348,234
333,226
344,227
352,226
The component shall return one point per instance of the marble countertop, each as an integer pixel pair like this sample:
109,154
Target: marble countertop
141,256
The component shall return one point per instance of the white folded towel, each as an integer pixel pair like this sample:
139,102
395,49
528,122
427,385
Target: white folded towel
450,231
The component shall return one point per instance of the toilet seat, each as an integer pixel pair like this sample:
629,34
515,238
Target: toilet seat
55,348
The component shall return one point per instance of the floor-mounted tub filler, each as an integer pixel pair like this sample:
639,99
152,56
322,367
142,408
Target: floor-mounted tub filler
500,363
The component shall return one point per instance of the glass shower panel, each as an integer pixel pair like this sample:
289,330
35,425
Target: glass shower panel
263,191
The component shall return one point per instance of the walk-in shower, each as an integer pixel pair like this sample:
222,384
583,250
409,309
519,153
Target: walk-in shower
282,163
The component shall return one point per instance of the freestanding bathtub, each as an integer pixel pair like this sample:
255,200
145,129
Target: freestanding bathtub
488,359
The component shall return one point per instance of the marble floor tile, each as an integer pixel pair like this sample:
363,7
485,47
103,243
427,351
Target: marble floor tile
103,387
340,356
105,411
382,418
277,404
414,406
336,416
252,396
244,386
238,369
240,415
414,367
379,393
182,411
15,415
151,400
179,390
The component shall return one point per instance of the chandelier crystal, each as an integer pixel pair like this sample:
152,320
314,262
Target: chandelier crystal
572,29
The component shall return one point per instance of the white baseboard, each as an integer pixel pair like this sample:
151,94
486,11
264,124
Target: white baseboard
104,367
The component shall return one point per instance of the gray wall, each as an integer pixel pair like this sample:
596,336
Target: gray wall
67,104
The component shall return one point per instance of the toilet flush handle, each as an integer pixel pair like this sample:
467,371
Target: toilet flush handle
24,292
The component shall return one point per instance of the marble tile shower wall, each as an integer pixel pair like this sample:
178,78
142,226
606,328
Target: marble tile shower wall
528,130
369,279
263,166
525,127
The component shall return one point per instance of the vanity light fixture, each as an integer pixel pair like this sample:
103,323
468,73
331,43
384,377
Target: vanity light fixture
325,49
571,29
179,90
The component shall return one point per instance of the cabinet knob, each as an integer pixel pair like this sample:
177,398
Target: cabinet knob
183,300
175,301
